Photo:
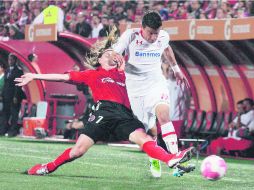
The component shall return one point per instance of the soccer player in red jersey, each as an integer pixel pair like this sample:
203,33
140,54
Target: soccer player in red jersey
111,114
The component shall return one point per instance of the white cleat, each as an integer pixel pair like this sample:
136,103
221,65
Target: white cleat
181,157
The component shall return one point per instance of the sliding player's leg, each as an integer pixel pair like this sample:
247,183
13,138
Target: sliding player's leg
80,148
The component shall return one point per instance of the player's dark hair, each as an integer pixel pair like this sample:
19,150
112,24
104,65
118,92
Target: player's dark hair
99,48
249,100
152,19
240,102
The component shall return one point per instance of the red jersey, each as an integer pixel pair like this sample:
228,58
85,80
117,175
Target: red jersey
105,85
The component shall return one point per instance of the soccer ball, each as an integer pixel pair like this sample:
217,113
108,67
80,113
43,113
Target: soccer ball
213,167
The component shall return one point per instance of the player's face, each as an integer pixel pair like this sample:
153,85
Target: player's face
11,60
247,106
107,59
150,34
240,108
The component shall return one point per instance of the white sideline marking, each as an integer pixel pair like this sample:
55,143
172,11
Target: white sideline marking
80,161
194,174
24,155
124,145
19,151
56,138
193,140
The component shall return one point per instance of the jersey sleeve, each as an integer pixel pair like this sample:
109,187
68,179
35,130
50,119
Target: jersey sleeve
81,76
247,118
251,126
123,42
166,39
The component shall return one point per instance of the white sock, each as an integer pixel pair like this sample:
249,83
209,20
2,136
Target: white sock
169,137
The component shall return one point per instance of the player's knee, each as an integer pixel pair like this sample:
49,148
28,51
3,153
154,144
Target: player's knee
139,137
133,137
163,118
162,113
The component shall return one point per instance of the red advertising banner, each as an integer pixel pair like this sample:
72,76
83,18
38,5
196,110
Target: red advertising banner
41,32
224,29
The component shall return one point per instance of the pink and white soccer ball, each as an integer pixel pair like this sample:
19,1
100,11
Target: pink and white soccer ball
213,167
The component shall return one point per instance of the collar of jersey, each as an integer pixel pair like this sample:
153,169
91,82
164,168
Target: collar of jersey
141,34
101,69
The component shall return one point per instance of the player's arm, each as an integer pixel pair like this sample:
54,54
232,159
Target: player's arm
121,45
122,42
28,77
236,123
169,58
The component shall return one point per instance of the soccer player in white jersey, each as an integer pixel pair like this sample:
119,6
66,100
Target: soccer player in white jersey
146,85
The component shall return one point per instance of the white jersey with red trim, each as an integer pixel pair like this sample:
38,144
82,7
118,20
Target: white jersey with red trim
143,68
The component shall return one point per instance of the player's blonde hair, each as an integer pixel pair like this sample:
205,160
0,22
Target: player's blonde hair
100,47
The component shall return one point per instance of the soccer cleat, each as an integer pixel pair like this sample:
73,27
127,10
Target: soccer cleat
181,169
38,169
155,167
181,157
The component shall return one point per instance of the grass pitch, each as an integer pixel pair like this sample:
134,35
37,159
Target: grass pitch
105,168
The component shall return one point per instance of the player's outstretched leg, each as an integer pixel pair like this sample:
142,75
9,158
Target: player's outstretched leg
82,145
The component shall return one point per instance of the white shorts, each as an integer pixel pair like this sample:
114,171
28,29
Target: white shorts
144,106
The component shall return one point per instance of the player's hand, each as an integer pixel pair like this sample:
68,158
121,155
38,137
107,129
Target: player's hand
24,79
231,125
121,66
119,59
181,79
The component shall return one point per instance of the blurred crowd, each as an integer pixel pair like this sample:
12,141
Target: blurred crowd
94,18
240,134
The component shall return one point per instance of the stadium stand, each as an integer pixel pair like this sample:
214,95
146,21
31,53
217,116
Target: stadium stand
16,14
189,122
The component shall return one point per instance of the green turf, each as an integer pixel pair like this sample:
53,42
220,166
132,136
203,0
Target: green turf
105,168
